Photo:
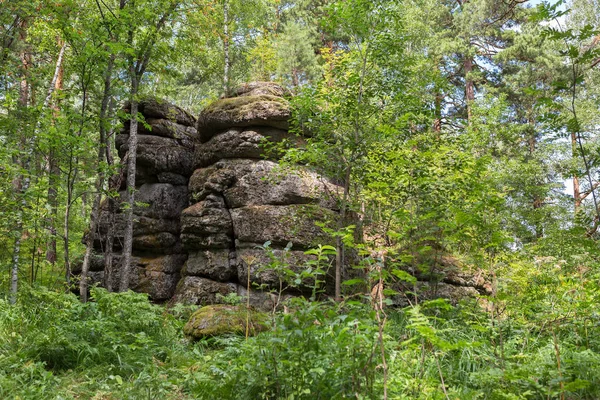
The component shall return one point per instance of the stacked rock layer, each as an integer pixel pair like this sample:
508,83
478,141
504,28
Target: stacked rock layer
208,197
210,193
241,199
164,164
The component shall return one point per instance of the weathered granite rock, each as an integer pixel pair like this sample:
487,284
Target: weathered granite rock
246,183
282,224
157,154
159,285
218,265
223,319
158,242
239,198
242,143
207,224
160,200
260,262
157,108
260,88
267,184
201,291
263,110
172,178
262,300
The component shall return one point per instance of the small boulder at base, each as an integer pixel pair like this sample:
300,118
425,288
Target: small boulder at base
221,319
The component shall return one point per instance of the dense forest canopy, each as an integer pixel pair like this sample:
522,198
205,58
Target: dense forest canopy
456,129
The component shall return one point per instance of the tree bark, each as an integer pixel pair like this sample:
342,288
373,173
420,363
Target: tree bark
469,87
89,242
226,47
131,168
53,164
576,188
21,183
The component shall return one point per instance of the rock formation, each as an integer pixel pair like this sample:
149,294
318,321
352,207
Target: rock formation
210,193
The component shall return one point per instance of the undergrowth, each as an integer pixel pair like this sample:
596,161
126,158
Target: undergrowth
538,341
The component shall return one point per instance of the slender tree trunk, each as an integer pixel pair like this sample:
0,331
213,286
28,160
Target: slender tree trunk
339,244
226,47
469,87
576,188
21,183
53,166
89,242
131,168
437,122
137,67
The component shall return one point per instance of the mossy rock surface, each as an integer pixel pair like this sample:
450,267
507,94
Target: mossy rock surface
221,319
261,110
258,88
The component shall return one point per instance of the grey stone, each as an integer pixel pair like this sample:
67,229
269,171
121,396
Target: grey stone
201,291
158,108
218,265
273,267
207,217
158,242
172,178
262,110
283,224
267,184
248,183
259,88
159,200
193,241
238,143
157,154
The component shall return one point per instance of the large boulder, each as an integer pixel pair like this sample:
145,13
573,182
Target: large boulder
158,285
260,88
207,225
162,242
245,182
283,224
201,291
218,265
158,108
159,200
218,177
250,143
262,110
156,154
223,319
273,268
265,183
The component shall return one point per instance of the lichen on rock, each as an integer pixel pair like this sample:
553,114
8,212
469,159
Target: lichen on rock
261,110
224,319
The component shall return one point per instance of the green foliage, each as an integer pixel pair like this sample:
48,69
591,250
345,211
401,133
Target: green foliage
111,343
316,351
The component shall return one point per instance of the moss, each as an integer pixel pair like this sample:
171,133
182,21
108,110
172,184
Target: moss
223,319
237,108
